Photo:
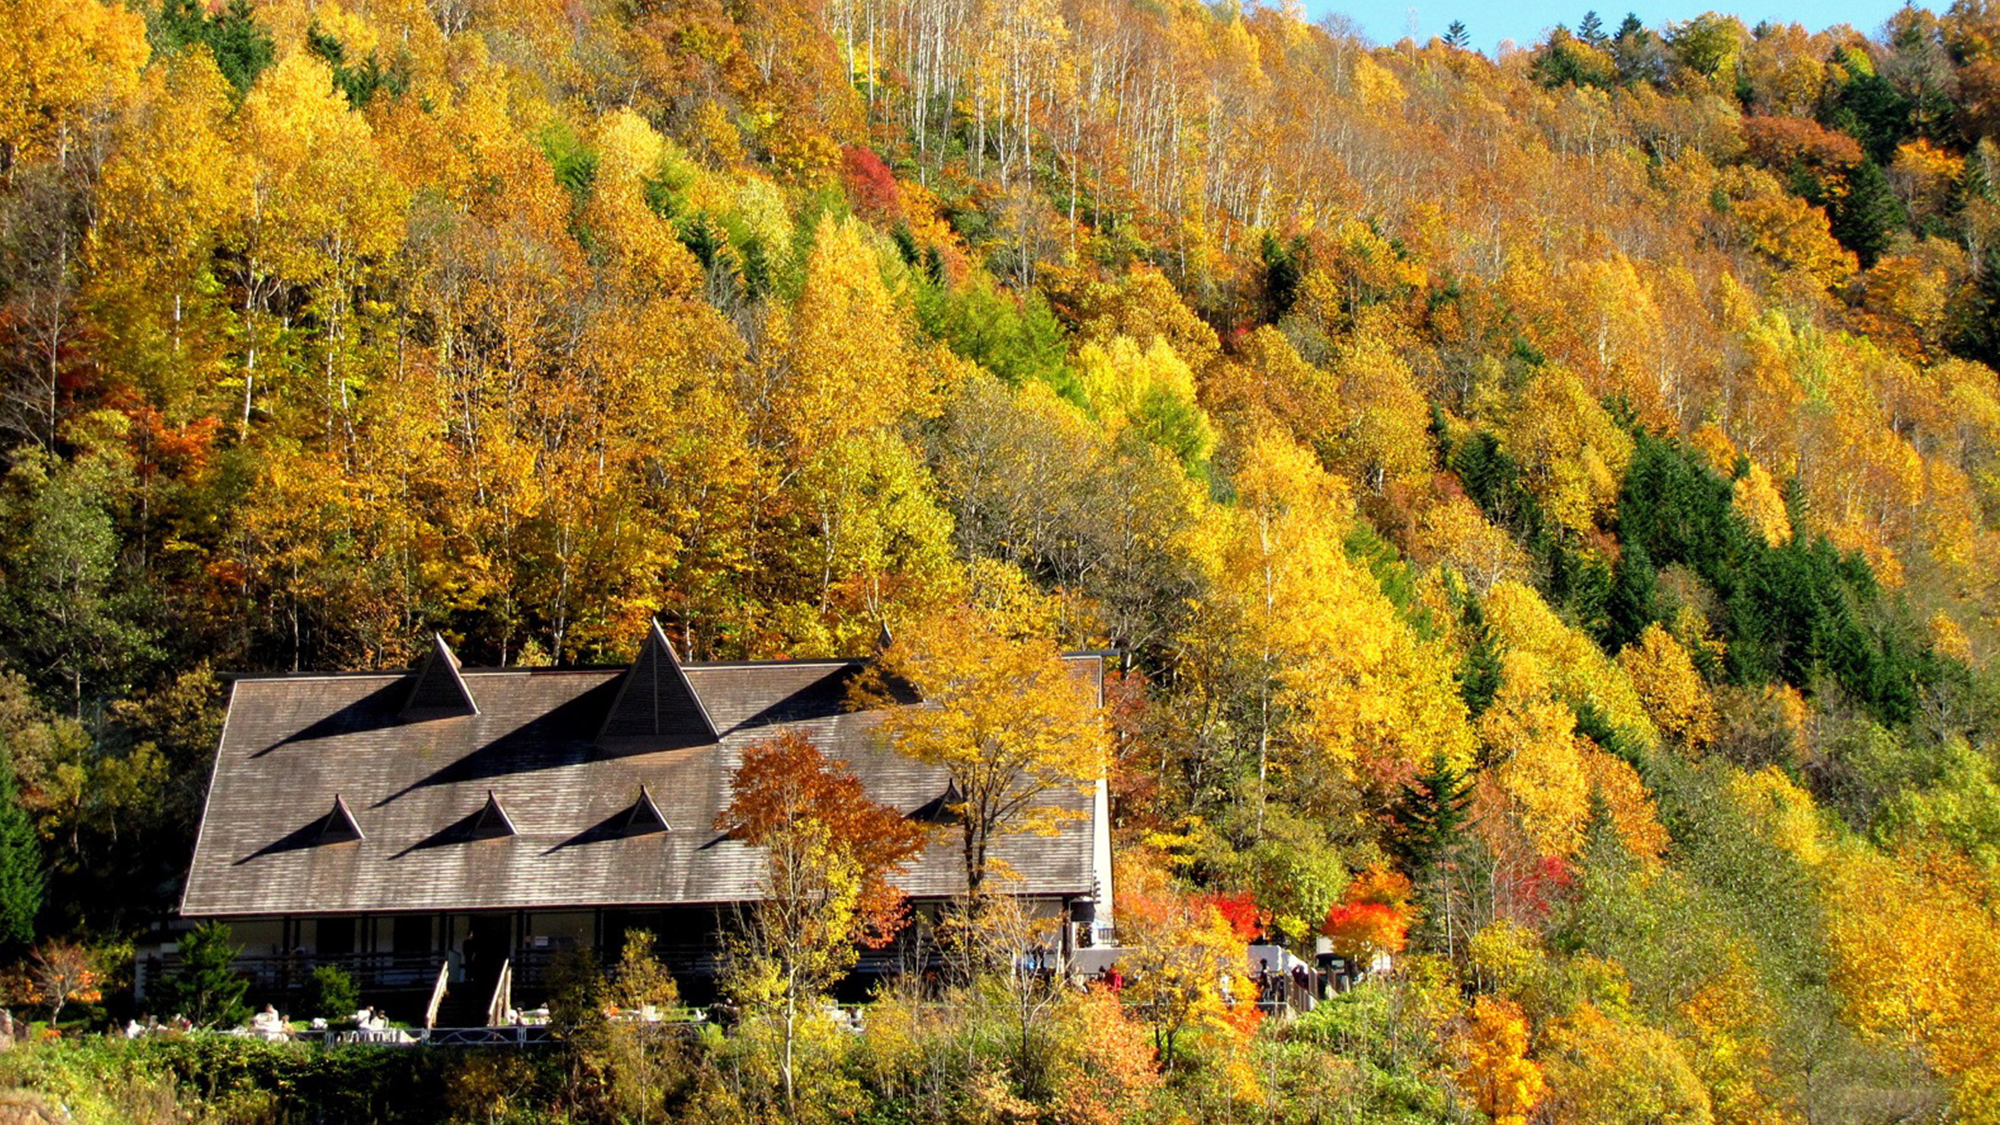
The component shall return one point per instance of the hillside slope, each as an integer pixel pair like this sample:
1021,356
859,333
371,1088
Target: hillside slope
1547,502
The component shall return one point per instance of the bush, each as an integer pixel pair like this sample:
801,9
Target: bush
330,994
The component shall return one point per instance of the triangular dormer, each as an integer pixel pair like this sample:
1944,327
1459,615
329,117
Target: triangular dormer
491,822
338,826
656,707
439,690
644,817
945,808
891,688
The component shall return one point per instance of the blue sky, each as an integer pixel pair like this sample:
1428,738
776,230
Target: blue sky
1385,21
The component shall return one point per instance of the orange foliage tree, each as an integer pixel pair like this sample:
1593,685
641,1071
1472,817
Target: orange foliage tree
1374,919
60,971
1504,1082
830,853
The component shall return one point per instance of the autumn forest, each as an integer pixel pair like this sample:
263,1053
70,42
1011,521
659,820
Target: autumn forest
1543,508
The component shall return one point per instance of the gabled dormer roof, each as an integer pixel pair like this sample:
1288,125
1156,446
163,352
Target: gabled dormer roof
439,690
338,826
945,808
491,822
656,707
644,817
898,688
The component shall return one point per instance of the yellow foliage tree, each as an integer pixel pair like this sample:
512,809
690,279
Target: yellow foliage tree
1505,1084
1757,499
1938,994
1003,715
1572,453
645,247
1285,584
1672,690
1149,391
1531,737
1618,1072
1785,812
839,362
63,63
1577,669
1626,802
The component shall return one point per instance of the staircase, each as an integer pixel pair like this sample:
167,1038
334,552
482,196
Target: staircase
477,1001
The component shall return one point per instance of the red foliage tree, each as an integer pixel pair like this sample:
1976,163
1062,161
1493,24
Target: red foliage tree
1240,910
785,782
871,187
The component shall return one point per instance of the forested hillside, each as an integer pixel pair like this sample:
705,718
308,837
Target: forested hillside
1546,504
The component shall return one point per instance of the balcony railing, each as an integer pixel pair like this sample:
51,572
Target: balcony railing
286,972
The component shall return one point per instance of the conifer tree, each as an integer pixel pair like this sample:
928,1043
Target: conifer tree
206,988
1479,675
1431,815
1456,37
1630,608
242,49
21,876
1869,217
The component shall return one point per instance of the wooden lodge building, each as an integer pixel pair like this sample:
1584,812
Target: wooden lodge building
393,823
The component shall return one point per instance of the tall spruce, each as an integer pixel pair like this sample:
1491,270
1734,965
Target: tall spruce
1431,815
1867,220
1479,674
241,47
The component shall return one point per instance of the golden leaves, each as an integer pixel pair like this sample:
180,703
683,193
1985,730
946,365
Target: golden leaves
64,63
1504,1082
1004,716
1672,690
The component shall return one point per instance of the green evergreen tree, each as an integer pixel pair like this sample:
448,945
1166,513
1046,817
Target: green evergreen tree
1867,220
1639,54
205,987
1430,816
1590,29
21,875
1456,37
1869,108
241,48
1479,675
1284,270
1634,589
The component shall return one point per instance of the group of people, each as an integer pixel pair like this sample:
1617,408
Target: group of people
136,1027
1272,984
1111,978
267,1024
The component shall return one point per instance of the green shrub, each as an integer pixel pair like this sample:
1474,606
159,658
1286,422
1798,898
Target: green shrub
330,994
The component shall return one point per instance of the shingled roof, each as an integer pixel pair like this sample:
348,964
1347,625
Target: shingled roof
557,757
